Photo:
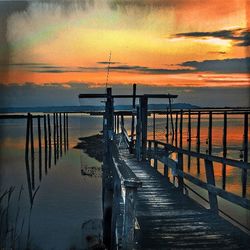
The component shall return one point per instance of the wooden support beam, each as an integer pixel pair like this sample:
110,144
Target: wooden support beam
181,130
60,124
180,168
54,136
64,133
67,130
210,133
154,126
224,150
32,153
133,119
45,144
57,137
167,126
245,150
138,134
176,129
198,140
189,138
166,165
39,147
155,154
144,122
49,139
211,180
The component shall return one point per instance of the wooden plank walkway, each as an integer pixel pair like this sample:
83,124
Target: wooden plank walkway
170,220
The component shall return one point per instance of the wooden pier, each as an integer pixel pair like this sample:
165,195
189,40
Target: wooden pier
142,208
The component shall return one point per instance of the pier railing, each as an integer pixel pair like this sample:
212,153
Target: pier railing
159,151
125,185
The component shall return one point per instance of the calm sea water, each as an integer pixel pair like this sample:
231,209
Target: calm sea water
66,199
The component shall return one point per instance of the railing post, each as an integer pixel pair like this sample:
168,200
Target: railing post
129,217
210,136
167,127
155,154
138,135
176,129
144,118
149,153
180,167
211,181
39,146
45,144
181,129
133,119
165,165
153,126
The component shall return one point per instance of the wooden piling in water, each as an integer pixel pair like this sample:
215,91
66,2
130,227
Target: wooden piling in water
39,146
45,145
189,138
133,118
60,124
49,137
57,137
198,142
27,156
181,129
245,150
54,136
144,122
210,135
154,126
176,129
167,126
32,153
224,150
64,133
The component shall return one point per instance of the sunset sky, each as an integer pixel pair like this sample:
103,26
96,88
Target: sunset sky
194,48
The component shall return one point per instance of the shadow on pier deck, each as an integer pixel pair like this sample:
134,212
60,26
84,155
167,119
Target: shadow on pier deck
170,220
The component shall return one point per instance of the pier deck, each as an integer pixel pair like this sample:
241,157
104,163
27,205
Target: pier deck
170,220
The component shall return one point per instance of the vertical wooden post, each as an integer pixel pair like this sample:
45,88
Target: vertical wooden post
129,217
181,129
149,155
45,144
180,167
107,179
133,119
27,157
118,124
67,130
211,180
32,153
198,143
115,123
54,136
155,155
60,119
49,137
165,165
57,137
154,126
138,134
210,135
39,146
224,150
167,127
144,119
176,129
189,138
64,133
245,149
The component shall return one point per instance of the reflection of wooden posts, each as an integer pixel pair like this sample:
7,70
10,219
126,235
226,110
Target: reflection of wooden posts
210,139
54,136
64,132
133,119
245,149
211,180
167,127
39,146
27,156
49,137
60,123
154,126
181,129
45,145
198,143
224,150
176,129
144,119
32,153
189,138
57,137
